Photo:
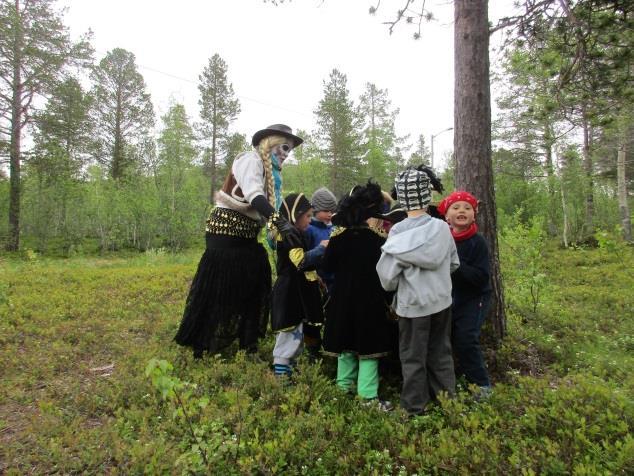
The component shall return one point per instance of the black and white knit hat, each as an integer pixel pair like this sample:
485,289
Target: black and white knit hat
413,189
324,200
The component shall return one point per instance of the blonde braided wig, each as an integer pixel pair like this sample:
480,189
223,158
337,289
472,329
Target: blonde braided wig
264,149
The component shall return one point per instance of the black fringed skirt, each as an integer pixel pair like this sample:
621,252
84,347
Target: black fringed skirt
229,295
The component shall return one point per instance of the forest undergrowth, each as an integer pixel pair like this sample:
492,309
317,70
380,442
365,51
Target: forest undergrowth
92,382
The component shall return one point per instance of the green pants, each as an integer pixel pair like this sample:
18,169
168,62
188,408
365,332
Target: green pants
363,372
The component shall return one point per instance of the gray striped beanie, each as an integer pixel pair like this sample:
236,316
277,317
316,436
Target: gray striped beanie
412,189
324,199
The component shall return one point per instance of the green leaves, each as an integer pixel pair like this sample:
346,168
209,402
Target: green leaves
160,372
122,115
562,401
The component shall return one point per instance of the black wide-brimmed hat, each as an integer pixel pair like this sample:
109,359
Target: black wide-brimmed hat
276,130
397,213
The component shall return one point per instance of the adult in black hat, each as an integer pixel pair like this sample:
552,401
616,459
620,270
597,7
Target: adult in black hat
229,295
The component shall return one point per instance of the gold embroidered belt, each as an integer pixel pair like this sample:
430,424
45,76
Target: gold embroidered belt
224,221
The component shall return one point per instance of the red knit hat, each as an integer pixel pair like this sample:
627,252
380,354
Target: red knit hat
457,196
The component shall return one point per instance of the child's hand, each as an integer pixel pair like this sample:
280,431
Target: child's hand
324,243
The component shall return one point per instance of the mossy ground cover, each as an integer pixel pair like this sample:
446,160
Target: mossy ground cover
92,383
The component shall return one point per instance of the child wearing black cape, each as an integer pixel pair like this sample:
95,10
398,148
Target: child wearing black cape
296,295
357,329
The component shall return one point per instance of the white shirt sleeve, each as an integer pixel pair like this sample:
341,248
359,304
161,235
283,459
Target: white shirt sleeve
248,170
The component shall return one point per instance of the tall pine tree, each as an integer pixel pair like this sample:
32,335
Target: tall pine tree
122,114
472,133
379,138
218,109
338,134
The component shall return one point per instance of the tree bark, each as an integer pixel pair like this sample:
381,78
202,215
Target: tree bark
624,209
550,173
15,153
472,136
117,152
212,171
565,217
588,167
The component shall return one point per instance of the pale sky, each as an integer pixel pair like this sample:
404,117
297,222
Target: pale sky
278,57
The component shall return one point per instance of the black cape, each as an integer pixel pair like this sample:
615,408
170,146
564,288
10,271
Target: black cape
295,298
356,313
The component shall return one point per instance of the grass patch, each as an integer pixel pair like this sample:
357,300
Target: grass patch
76,336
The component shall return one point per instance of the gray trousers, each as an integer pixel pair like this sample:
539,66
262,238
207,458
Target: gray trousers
289,345
426,360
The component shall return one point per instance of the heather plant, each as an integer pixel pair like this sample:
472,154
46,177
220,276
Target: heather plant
93,384
611,243
522,259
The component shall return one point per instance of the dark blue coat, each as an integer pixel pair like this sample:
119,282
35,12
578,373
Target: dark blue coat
471,279
317,232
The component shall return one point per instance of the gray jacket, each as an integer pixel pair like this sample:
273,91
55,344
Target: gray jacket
417,261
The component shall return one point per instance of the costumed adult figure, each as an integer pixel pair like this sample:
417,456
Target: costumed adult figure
230,293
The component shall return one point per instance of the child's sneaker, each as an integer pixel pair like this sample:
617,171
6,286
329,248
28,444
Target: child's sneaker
282,370
381,405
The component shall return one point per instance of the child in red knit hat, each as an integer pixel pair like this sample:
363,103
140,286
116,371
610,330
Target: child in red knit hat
471,288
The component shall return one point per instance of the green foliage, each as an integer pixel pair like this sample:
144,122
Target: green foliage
52,182
521,251
79,395
179,217
422,153
583,323
306,176
519,195
218,109
122,115
36,52
338,134
611,243
167,209
378,135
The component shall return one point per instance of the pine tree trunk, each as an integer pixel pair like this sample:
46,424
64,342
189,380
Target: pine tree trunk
13,241
565,217
472,136
334,183
550,173
117,152
564,209
588,167
624,209
212,171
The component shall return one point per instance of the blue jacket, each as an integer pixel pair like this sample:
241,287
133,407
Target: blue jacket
317,232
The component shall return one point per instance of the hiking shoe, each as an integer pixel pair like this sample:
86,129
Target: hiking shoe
381,405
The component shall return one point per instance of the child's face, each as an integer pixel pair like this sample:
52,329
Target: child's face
304,220
460,215
324,216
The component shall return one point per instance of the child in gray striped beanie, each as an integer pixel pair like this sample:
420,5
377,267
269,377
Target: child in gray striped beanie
323,200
